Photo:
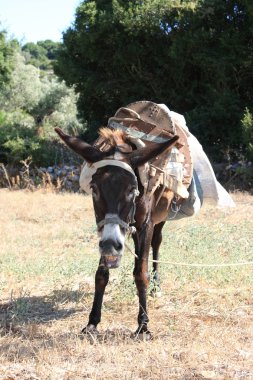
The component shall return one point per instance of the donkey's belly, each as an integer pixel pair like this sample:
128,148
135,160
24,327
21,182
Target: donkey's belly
161,210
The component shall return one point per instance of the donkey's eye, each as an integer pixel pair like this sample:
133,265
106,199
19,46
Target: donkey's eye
134,191
131,193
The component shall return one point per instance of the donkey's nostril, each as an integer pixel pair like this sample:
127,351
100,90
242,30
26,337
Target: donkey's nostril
118,246
109,244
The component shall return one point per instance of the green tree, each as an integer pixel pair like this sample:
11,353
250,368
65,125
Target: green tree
219,55
41,54
111,55
247,135
7,51
24,88
31,106
195,56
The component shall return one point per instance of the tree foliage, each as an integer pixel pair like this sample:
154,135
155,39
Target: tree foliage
31,105
7,51
247,135
41,54
194,56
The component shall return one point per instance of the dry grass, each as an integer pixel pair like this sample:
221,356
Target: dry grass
202,325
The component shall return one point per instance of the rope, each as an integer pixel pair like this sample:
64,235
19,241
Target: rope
203,265
129,249
173,263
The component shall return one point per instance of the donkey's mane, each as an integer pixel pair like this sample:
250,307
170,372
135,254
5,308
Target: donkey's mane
114,137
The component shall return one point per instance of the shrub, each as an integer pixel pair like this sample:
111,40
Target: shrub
247,128
32,105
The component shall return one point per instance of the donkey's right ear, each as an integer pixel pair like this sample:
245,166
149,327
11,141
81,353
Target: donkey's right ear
87,151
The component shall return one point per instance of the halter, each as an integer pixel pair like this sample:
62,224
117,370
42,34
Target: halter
116,219
89,169
121,164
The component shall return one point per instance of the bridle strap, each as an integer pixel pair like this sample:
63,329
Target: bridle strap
121,164
116,220
112,220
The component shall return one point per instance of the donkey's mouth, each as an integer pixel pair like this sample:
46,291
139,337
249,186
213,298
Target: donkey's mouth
111,261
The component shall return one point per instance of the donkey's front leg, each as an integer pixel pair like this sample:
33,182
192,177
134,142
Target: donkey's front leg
141,276
101,280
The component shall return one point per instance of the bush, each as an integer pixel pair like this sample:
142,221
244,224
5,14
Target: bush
32,105
247,128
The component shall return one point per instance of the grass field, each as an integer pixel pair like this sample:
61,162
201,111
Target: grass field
202,325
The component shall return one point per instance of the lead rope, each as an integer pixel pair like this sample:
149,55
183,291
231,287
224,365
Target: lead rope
196,265
129,249
174,208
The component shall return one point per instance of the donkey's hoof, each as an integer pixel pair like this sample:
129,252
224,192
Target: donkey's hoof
143,335
156,292
90,330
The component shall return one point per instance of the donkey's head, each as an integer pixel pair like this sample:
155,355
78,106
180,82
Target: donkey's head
114,190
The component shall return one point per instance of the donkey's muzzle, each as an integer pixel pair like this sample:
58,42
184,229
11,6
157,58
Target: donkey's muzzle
111,252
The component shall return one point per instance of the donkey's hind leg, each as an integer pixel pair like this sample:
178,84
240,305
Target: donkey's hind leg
155,244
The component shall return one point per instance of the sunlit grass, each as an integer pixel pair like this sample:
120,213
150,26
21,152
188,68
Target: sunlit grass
202,325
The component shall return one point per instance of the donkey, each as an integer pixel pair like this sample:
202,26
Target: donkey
121,203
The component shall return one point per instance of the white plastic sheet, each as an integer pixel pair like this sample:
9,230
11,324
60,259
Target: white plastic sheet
209,190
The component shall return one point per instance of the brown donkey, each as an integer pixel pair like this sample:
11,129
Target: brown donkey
121,204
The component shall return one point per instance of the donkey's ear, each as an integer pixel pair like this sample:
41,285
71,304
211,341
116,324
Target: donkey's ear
141,156
87,151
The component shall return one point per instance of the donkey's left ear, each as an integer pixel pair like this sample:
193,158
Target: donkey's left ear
142,155
87,151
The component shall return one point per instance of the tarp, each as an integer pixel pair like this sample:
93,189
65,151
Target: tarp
204,189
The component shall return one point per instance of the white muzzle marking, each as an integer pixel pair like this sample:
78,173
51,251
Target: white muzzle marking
112,231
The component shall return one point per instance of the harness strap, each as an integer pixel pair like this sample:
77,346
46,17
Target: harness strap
121,164
134,133
112,220
174,207
116,220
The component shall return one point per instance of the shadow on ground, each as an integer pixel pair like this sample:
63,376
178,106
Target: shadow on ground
27,310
